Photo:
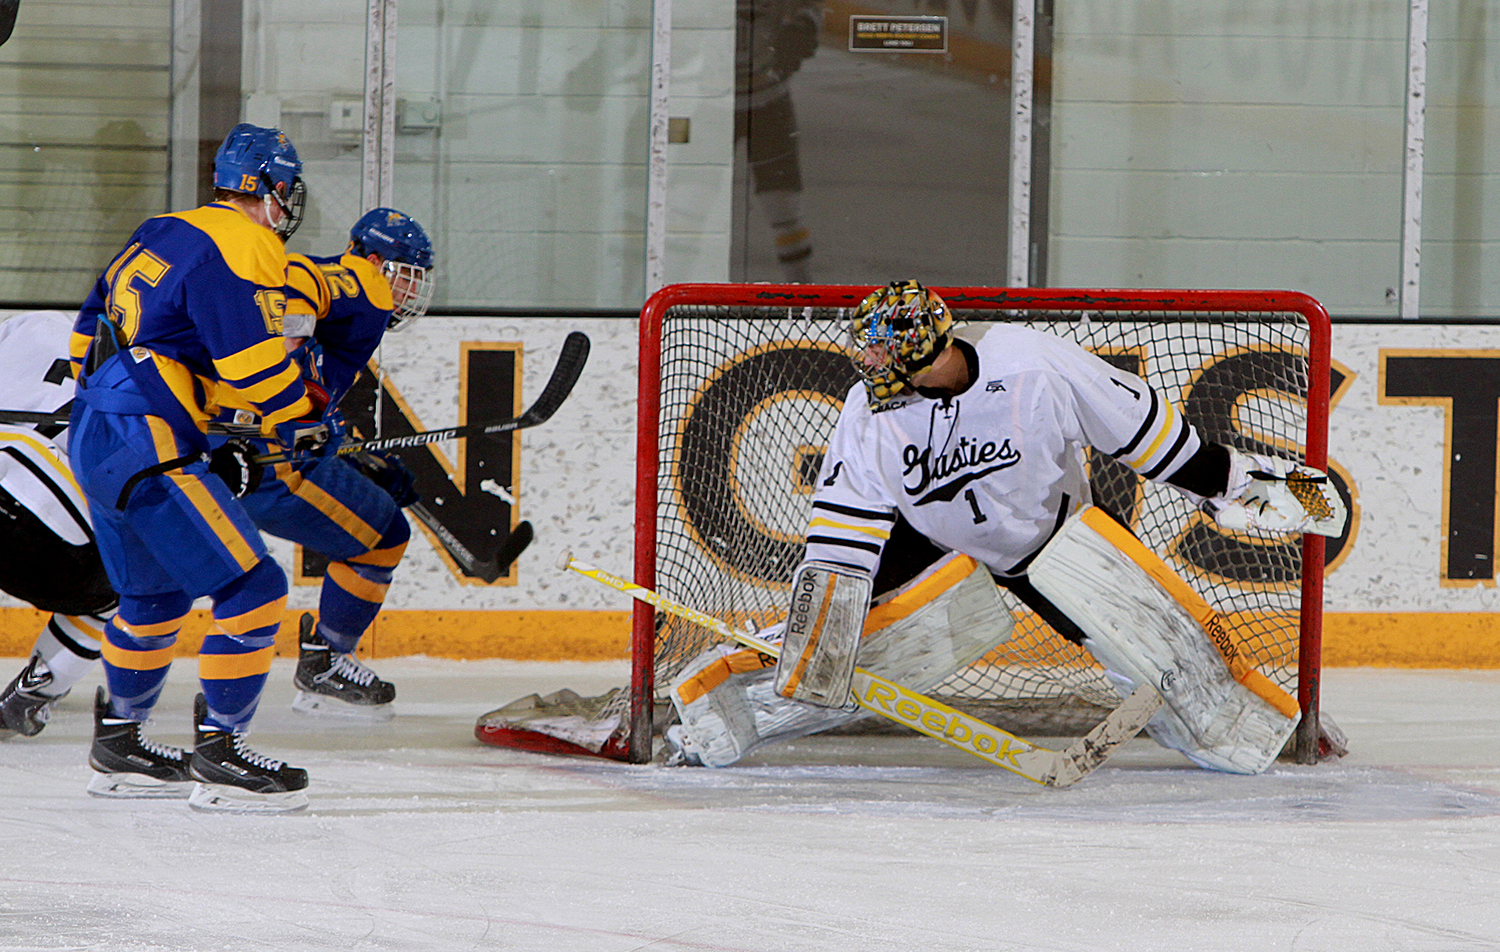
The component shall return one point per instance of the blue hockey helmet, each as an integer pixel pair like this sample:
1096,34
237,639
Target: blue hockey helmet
255,160
406,259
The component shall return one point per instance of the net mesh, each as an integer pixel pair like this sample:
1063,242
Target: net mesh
749,397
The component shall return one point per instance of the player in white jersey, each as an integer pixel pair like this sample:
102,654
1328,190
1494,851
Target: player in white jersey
975,439
47,551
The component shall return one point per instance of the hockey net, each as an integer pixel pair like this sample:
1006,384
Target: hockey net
741,386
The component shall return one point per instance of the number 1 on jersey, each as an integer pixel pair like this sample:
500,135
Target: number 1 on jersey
979,515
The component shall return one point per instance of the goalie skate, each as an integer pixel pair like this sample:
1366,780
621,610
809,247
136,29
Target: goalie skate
331,684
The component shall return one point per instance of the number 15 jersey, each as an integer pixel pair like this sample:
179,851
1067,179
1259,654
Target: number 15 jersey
202,295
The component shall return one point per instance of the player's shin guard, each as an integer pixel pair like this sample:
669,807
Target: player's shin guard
943,620
137,650
65,651
236,653
70,644
354,589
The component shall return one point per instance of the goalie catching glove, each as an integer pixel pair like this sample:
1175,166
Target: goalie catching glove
1272,494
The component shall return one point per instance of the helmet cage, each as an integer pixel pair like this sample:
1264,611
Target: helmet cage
897,332
411,289
291,205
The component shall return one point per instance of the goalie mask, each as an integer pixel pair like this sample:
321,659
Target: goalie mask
259,161
897,332
406,255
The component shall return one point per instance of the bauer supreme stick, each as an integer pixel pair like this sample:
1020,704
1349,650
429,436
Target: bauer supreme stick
575,353
486,570
1051,768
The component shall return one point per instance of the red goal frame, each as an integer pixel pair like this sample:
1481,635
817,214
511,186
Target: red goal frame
643,625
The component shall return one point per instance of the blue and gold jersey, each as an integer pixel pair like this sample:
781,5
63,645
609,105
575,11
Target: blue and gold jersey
203,292
352,300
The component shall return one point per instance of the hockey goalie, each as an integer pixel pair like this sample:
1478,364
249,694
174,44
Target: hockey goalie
972,443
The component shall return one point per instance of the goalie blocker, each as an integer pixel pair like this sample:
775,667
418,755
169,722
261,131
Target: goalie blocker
1145,624
823,628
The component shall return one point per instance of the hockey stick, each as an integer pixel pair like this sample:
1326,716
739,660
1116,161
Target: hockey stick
575,353
1051,768
8,9
486,570
30,417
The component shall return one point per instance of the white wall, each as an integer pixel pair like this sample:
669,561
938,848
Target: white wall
1230,144
534,181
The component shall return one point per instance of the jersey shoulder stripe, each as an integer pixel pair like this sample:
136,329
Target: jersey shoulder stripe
372,283
307,289
251,251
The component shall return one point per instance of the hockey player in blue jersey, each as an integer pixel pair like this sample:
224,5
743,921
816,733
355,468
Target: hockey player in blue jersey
349,511
188,316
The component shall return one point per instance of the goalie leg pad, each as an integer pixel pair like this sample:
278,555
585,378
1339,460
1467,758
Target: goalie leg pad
823,628
940,622
1146,625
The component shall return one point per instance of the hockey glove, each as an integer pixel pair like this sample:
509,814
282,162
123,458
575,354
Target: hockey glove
318,436
1278,495
389,473
235,464
306,437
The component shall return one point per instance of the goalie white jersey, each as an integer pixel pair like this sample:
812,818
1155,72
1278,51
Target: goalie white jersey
993,471
37,376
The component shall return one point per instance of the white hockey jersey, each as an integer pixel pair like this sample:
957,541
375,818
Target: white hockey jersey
993,471
36,378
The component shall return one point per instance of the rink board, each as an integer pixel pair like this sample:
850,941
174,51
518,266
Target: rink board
1412,434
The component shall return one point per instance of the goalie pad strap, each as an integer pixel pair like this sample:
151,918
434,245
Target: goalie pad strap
1184,594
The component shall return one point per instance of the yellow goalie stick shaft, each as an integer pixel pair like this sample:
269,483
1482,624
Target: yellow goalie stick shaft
1052,768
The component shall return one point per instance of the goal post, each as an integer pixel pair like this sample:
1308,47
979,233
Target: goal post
740,386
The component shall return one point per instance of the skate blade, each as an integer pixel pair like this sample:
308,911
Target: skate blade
223,798
318,705
132,786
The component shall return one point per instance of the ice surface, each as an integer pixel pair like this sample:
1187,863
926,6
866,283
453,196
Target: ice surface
419,837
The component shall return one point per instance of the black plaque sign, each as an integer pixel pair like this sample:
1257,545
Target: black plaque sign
880,34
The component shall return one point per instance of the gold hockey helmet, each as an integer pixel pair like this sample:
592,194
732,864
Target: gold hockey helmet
896,332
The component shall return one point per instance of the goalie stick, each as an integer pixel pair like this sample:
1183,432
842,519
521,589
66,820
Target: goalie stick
1051,768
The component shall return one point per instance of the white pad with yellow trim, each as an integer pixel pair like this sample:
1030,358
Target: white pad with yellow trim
823,628
1146,624
943,620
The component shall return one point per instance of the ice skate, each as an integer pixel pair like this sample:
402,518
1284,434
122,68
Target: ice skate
331,684
127,765
232,778
678,751
25,705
